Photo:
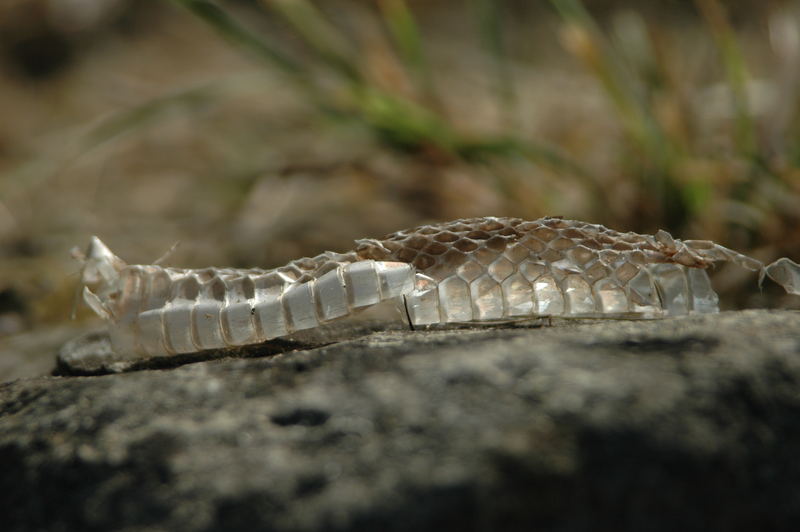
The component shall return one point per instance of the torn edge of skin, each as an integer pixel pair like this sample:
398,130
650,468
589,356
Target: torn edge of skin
784,272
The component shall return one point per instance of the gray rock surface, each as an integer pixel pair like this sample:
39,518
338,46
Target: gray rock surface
30,354
679,424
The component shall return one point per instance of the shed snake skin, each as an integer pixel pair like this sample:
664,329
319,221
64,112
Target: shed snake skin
470,270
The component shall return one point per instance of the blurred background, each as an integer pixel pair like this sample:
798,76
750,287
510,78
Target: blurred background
256,132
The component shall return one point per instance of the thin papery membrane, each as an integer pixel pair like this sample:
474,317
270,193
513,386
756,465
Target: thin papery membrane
786,273
783,271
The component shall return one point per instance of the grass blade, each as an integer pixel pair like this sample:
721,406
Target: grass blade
237,34
584,39
490,24
406,36
131,119
735,71
318,33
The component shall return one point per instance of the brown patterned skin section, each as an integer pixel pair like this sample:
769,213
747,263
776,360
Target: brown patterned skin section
307,268
438,250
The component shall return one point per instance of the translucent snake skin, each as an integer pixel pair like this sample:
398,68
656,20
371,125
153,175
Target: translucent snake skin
471,270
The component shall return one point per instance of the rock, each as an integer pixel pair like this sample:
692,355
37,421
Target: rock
30,353
679,424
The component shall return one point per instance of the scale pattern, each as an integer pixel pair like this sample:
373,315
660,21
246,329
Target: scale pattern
499,268
471,270
157,311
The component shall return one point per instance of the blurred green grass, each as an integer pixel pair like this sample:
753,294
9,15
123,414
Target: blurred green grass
269,130
411,121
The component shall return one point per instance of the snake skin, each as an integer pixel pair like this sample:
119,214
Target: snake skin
479,269
500,268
